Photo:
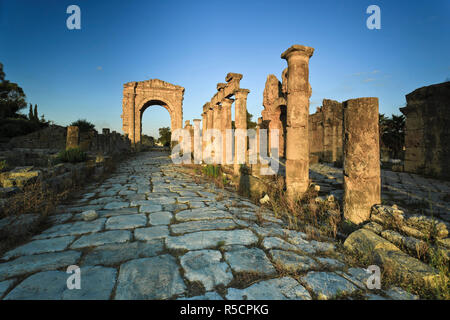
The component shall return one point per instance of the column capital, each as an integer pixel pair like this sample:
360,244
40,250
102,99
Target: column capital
227,102
296,50
221,86
241,93
230,76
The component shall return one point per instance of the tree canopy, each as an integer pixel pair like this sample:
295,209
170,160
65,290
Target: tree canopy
12,97
83,125
165,136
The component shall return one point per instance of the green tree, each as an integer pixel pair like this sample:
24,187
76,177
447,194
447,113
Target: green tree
12,97
30,113
35,116
250,123
83,125
165,136
392,134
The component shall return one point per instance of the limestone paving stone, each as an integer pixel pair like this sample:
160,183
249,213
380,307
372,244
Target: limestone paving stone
285,288
40,246
117,212
150,208
252,260
101,238
75,228
151,233
96,283
126,222
149,278
211,239
330,263
327,285
60,218
113,254
203,225
38,262
292,261
202,214
397,293
175,207
160,218
116,205
277,243
206,267
4,286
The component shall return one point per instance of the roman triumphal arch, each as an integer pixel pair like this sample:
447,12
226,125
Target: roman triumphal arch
139,95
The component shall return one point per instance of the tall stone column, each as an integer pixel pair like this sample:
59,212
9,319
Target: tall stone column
362,183
297,144
204,125
197,142
217,123
226,124
240,122
73,137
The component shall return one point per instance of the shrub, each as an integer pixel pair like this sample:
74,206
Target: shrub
12,127
211,171
72,155
83,125
3,165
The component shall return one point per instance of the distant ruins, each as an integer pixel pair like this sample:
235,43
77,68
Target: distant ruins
344,133
427,130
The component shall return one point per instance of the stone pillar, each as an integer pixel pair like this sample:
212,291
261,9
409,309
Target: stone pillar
197,142
186,146
226,124
297,145
240,122
204,126
362,183
73,137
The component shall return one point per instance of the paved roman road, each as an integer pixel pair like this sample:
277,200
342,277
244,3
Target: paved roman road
159,235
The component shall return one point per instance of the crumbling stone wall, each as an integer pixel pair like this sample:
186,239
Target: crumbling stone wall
91,141
427,130
325,132
52,137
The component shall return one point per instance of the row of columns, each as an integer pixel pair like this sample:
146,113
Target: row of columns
362,184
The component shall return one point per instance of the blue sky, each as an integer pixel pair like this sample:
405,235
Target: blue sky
74,74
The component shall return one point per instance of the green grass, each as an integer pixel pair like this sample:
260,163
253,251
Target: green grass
72,155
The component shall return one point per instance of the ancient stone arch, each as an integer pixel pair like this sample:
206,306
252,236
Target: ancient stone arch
139,95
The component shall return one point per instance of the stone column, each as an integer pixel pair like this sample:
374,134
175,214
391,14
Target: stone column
204,126
217,123
297,145
197,142
240,122
73,137
226,124
362,183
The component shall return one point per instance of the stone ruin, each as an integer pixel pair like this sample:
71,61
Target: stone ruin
139,95
339,132
427,133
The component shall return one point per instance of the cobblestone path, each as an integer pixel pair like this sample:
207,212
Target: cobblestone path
156,234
